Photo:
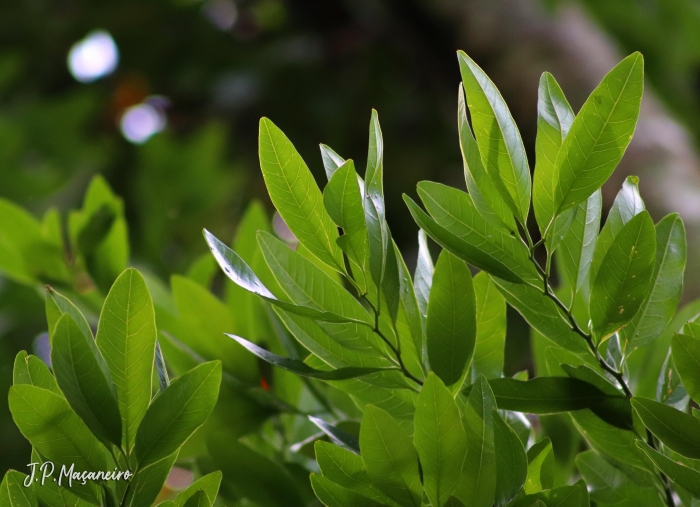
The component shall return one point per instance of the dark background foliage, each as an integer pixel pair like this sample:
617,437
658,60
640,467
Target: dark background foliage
316,68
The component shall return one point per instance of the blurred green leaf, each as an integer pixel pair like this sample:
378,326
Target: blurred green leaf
209,484
199,499
14,493
599,135
686,357
540,467
677,430
683,476
451,322
511,466
333,495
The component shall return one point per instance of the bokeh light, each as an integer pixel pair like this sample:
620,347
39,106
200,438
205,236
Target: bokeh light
140,122
93,57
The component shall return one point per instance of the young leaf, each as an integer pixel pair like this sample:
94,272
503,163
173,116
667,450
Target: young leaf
423,278
177,413
84,378
296,196
683,476
451,323
623,279
599,135
677,430
390,459
14,493
487,199
511,466
333,495
490,328
209,484
502,150
33,371
343,201
665,287
58,305
540,467
554,119
577,247
686,357
477,488
439,439
331,160
47,421
300,368
126,338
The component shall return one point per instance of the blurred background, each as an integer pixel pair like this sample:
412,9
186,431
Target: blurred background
163,97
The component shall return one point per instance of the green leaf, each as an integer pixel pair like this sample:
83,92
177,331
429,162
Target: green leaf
683,476
502,150
623,279
390,459
343,200
454,211
540,467
147,483
334,495
423,278
542,314
487,199
439,439
677,430
47,421
300,368
209,484
511,466
84,378
199,499
14,493
564,496
409,323
577,247
490,328
126,338
610,486
331,160
296,196
665,287
477,488
58,305
599,135
451,323
686,357
346,469
238,271
338,436
177,412
33,371
554,119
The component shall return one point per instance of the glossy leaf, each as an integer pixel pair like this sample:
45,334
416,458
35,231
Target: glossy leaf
454,210
490,328
84,378
331,160
542,314
177,412
126,338
683,476
33,371
540,467
451,322
58,305
13,492
511,466
622,282
390,459
423,278
334,495
677,430
439,439
296,196
600,134
482,189
554,119
577,247
300,368
477,488
502,150
338,436
665,287
343,200
686,357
